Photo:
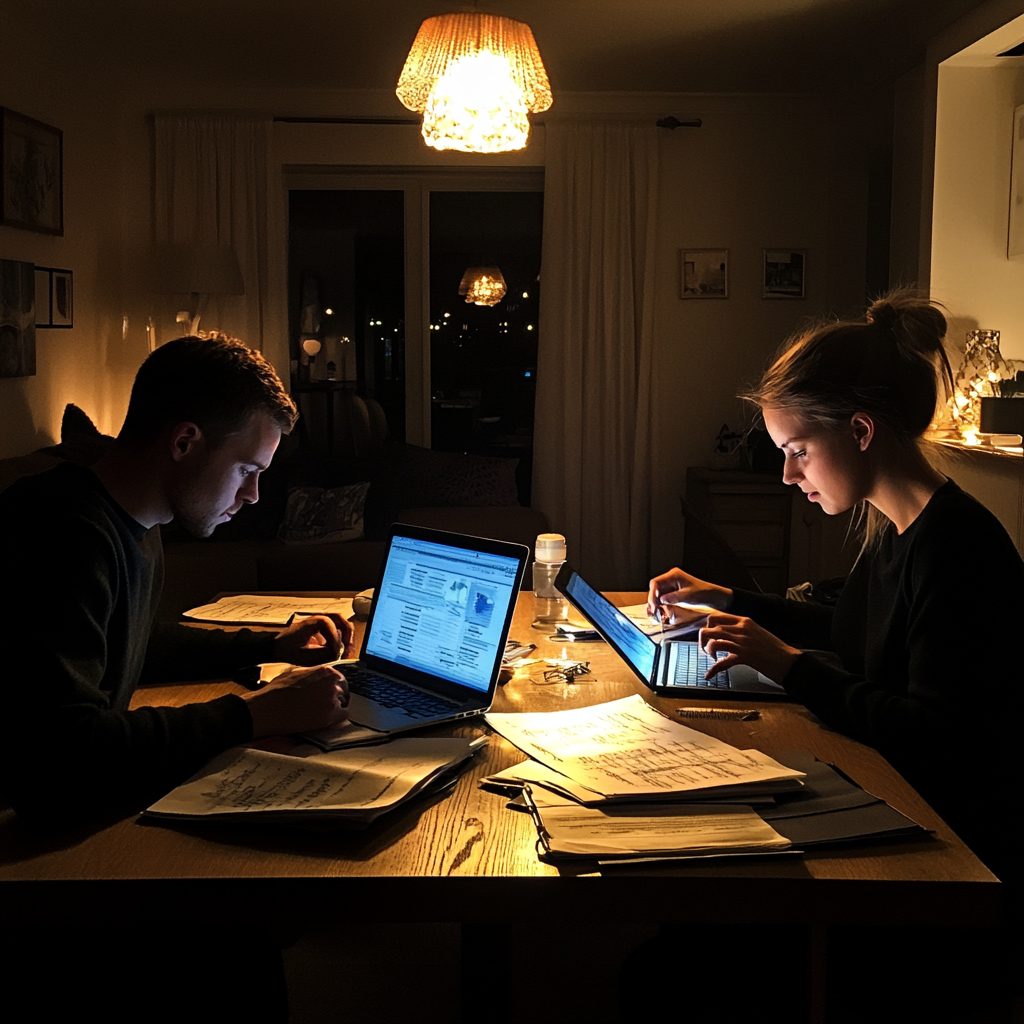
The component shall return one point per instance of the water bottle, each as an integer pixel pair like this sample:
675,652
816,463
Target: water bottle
549,607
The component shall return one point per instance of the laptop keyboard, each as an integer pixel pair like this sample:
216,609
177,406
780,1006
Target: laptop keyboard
390,693
692,663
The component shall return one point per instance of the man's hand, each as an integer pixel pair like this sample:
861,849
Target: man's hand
670,593
743,642
298,700
314,640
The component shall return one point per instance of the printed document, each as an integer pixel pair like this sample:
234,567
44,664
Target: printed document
353,786
268,609
574,831
626,748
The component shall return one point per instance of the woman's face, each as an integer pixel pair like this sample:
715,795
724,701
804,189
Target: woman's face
828,464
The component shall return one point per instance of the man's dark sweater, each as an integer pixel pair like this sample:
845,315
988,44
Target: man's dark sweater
81,584
927,630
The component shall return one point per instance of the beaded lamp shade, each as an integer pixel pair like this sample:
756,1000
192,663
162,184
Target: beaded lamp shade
474,77
483,286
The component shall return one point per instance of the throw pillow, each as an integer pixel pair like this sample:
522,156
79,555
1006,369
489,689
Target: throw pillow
321,515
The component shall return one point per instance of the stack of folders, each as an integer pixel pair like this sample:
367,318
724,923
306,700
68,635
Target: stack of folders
340,789
621,781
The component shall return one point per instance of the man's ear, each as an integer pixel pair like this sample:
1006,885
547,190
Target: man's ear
863,427
184,438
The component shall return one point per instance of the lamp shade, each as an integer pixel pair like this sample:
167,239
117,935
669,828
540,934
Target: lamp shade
202,269
474,77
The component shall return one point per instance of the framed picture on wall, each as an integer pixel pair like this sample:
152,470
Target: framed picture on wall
1015,240
703,273
54,297
32,178
783,274
17,319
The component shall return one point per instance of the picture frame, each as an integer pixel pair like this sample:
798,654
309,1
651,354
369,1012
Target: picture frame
1015,231
704,273
784,274
31,174
17,319
54,298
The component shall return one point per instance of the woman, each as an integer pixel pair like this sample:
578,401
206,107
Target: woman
926,626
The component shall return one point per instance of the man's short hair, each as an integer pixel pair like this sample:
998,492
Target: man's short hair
216,382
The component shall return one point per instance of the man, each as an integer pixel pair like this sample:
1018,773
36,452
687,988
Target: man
82,569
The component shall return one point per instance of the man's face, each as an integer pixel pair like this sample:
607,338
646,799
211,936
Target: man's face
214,483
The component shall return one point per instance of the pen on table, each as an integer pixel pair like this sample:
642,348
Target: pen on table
743,714
249,677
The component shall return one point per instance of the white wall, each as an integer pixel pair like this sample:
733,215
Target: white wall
86,364
970,272
761,173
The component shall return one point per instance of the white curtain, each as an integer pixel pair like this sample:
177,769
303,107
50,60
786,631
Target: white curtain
213,186
593,430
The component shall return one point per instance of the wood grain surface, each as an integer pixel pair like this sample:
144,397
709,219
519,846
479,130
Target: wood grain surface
393,869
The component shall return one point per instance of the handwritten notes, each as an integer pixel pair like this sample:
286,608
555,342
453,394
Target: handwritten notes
268,609
626,748
346,786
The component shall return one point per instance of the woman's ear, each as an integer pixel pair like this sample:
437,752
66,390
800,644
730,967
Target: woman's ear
863,427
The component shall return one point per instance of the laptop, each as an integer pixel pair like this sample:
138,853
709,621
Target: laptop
672,668
436,631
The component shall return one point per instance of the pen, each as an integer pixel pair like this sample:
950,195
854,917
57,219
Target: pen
249,677
744,715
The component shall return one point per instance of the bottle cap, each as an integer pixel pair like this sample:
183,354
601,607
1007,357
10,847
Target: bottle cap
550,548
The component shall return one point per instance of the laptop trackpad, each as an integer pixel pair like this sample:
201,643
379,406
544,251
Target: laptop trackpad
374,716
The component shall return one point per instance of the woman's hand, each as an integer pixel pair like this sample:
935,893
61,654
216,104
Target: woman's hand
671,594
743,642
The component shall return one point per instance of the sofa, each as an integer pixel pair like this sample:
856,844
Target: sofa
325,508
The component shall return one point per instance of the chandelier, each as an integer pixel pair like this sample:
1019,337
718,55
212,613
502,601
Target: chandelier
483,286
474,77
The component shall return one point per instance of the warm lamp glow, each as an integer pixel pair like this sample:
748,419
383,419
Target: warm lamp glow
476,107
474,77
483,286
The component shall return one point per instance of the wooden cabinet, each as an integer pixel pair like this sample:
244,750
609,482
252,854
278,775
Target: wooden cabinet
752,512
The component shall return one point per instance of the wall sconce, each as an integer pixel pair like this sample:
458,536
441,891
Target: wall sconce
197,271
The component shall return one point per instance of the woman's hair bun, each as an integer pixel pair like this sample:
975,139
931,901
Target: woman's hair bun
913,320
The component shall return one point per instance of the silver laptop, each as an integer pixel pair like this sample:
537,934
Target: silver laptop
672,668
436,631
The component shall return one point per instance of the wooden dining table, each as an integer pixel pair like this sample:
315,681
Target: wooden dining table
464,856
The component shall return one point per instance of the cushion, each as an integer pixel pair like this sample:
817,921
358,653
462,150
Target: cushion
80,441
320,515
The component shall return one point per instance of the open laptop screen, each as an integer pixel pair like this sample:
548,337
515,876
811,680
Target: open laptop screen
631,642
441,609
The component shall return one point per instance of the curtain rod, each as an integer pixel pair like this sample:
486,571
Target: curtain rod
666,122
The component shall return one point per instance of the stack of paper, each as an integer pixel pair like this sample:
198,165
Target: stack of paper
343,788
620,780
627,750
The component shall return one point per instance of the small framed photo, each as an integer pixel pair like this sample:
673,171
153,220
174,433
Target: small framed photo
54,297
703,273
31,174
17,319
783,274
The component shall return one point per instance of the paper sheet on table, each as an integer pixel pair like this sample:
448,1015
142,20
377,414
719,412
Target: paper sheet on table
544,779
358,784
572,830
268,609
637,614
626,748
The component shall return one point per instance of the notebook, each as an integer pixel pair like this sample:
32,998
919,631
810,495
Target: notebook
672,668
436,630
